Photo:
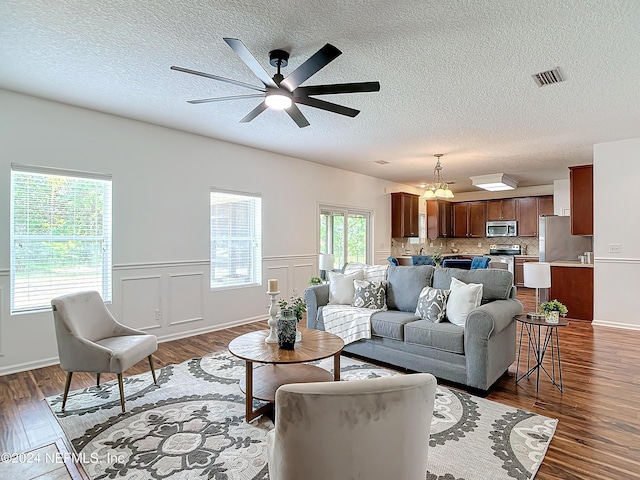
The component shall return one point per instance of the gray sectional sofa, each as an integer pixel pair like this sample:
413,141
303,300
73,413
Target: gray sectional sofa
475,355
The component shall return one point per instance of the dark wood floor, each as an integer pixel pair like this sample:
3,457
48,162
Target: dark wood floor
598,436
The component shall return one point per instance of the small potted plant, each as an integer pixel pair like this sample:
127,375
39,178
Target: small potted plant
315,281
552,310
297,304
437,258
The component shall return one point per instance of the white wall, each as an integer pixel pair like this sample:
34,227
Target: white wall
561,197
616,221
161,184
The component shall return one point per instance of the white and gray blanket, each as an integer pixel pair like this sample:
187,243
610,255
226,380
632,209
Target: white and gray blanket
349,323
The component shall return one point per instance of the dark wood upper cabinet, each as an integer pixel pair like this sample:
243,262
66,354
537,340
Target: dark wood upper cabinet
438,219
469,219
404,215
581,199
504,209
528,211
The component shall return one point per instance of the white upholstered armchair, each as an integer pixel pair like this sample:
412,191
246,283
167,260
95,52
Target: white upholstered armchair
374,429
91,340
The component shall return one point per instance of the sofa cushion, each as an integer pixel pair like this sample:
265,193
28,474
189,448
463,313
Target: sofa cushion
341,288
390,324
432,304
404,285
443,336
496,284
463,299
370,294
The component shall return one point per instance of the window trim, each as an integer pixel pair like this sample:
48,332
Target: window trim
346,210
258,262
107,259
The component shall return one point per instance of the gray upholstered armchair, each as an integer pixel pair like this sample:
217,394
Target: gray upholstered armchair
91,340
374,429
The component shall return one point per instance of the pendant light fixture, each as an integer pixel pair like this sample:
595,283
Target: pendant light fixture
438,188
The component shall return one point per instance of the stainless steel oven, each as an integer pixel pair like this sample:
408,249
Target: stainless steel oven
508,228
502,256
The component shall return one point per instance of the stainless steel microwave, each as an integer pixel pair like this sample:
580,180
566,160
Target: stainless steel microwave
502,229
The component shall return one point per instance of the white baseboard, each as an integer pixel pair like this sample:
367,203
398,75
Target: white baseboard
47,362
211,328
604,323
23,367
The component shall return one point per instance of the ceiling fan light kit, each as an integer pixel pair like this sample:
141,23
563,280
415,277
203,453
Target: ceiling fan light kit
494,182
438,188
284,93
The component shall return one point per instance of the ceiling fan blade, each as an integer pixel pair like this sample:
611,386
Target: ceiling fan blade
312,65
254,113
328,106
297,116
220,99
250,61
358,87
216,77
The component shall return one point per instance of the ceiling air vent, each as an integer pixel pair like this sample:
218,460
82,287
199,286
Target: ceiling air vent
381,162
549,77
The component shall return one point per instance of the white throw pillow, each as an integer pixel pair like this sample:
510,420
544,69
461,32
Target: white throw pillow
463,299
341,288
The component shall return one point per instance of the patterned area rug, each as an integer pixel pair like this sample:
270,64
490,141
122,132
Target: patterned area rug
192,427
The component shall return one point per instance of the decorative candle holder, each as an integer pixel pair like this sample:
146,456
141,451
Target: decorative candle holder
272,322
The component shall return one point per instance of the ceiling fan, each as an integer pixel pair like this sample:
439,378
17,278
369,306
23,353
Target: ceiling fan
284,93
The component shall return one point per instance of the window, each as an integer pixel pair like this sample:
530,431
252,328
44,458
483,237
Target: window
346,234
60,235
236,239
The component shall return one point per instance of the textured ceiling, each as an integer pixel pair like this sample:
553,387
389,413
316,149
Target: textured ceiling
455,76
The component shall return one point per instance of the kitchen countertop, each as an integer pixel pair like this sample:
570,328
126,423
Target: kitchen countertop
526,256
571,263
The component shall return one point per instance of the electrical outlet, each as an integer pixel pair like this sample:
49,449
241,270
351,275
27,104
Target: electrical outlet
615,248
158,314
479,244
431,244
453,244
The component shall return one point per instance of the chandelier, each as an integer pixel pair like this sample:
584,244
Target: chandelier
438,188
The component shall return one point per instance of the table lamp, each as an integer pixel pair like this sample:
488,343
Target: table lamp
325,263
537,275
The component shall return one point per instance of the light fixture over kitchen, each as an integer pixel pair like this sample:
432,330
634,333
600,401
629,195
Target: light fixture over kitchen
438,188
494,182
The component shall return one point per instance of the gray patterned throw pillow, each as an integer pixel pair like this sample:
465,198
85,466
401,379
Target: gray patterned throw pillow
432,304
370,294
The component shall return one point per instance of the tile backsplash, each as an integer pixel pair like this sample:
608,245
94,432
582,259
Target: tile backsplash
401,246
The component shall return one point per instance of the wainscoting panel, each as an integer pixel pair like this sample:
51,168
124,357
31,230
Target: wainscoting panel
280,273
141,301
186,301
302,272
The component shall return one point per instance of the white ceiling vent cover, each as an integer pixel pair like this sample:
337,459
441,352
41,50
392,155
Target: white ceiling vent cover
548,78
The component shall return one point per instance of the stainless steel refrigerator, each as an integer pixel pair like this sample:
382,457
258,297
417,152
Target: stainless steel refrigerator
556,241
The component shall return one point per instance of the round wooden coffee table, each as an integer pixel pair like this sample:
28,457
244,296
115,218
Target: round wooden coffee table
283,366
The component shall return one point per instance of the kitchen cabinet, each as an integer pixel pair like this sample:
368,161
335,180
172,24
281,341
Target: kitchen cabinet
504,209
581,199
528,211
438,219
404,215
573,286
519,269
469,219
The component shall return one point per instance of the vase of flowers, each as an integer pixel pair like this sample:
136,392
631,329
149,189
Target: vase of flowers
287,329
298,306
553,310
437,258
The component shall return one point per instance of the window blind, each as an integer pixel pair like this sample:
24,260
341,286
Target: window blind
60,235
236,239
